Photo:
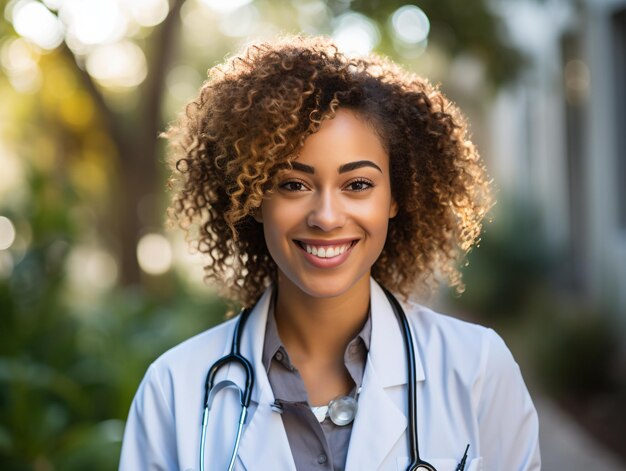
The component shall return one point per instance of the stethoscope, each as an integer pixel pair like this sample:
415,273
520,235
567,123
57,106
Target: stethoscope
211,389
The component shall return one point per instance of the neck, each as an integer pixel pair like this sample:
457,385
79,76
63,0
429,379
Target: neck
321,328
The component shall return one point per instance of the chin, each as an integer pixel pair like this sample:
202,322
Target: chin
325,286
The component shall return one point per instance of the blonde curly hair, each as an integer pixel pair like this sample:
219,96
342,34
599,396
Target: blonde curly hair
252,116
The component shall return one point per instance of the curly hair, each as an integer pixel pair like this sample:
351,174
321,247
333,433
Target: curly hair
252,116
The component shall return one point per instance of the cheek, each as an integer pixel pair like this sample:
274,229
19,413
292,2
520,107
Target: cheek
276,223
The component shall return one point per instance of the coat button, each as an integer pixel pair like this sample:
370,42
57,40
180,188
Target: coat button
321,459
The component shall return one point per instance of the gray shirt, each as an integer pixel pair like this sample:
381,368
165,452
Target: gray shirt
314,445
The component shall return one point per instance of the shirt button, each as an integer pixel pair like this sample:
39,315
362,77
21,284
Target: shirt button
279,356
321,459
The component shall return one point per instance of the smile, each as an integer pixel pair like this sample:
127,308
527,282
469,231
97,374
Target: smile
326,253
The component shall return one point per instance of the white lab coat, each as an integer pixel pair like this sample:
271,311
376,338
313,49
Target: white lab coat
469,391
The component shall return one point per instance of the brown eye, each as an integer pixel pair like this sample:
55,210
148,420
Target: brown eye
360,185
293,186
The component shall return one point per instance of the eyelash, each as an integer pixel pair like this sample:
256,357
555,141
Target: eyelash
361,181
285,186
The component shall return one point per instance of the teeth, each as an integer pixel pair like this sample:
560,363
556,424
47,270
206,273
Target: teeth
326,251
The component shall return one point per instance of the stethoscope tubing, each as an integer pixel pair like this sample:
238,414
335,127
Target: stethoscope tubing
245,394
416,463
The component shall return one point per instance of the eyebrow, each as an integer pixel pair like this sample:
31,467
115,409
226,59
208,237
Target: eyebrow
342,169
358,164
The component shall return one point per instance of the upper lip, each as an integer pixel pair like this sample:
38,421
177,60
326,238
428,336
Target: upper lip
323,243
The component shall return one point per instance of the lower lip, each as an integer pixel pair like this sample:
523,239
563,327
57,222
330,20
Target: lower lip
326,262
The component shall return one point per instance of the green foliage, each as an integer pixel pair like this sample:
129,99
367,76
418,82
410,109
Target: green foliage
512,261
512,284
68,372
63,399
457,27
574,350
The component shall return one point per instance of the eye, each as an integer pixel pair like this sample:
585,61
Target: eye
360,184
293,186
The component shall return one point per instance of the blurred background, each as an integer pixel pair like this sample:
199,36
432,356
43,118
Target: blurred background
93,287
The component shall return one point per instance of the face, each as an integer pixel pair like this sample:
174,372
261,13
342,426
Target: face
326,223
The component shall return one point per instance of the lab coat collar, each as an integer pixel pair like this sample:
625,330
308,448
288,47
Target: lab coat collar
263,421
387,353
386,367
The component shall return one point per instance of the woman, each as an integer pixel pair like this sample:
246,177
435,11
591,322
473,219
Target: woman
311,181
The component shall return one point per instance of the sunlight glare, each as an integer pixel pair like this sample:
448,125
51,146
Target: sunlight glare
241,22
355,34
222,6
7,233
94,21
149,12
410,24
121,64
35,22
154,254
92,268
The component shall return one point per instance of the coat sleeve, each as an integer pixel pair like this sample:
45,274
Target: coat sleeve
507,419
149,438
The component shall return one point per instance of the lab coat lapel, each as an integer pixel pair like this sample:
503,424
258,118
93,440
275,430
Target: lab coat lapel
264,442
381,421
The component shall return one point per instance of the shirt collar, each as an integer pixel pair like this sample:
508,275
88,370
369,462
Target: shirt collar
272,342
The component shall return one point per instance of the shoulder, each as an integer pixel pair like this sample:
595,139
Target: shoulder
192,356
434,327
473,351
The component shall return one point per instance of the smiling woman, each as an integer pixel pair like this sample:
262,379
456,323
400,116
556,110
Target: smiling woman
337,198
319,182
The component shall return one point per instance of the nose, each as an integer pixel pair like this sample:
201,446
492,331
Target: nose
327,212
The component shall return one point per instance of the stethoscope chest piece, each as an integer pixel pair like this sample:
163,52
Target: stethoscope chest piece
342,410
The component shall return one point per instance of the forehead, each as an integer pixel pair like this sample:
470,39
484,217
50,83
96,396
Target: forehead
345,138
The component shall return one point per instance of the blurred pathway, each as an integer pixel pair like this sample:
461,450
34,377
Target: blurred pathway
566,446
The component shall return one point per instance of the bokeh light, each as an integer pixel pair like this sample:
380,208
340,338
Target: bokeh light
93,22
154,254
53,4
7,233
6,264
34,21
313,15
410,24
355,34
91,269
148,12
121,64
19,61
225,6
241,22
189,264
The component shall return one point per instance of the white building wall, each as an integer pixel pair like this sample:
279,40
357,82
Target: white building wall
528,147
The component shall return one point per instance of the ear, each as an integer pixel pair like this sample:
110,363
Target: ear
258,215
393,209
